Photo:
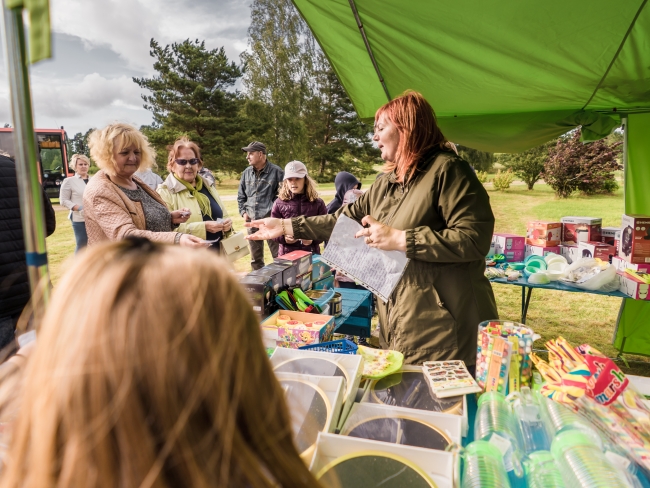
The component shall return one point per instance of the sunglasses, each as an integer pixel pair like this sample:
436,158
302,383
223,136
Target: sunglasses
183,162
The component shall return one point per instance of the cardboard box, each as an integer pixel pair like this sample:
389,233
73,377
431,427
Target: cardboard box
544,234
608,235
570,253
289,272
300,335
301,259
319,269
273,273
621,265
323,284
635,239
632,286
304,281
541,250
598,250
508,242
580,229
260,293
440,466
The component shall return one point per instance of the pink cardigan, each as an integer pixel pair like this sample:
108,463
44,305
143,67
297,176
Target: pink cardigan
112,216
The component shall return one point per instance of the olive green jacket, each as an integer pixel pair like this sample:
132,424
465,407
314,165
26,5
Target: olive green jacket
434,311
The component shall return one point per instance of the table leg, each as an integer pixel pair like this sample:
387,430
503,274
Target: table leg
525,302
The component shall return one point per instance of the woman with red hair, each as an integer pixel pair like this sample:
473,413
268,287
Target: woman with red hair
429,204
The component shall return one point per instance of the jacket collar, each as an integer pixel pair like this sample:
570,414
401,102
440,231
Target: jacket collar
175,186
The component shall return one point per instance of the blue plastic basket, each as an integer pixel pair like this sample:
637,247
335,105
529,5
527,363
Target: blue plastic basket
342,346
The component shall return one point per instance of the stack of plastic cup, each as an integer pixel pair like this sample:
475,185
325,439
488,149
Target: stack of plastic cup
583,464
542,472
484,467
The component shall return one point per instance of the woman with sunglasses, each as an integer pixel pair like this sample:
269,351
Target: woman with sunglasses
116,203
186,189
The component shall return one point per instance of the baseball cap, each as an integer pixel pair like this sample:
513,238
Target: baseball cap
295,169
255,146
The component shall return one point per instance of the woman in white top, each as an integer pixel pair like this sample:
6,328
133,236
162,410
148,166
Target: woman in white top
71,197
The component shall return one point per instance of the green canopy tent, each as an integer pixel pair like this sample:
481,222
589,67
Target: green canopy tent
505,76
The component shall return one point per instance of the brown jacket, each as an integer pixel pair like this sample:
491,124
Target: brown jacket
111,215
435,309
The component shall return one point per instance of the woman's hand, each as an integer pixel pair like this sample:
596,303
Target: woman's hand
227,224
214,226
289,240
306,242
382,236
269,228
188,240
181,216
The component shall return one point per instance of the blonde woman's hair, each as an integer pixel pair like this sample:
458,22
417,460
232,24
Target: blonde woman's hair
180,143
310,190
140,379
75,158
103,142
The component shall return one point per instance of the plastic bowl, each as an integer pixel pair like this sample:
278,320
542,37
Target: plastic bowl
536,263
516,266
539,279
554,275
556,266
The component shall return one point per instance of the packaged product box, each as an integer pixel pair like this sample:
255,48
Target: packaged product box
632,286
544,234
304,281
580,229
570,253
635,239
319,268
608,235
514,256
260,293
598,250
541,250
300,259
289,272
324,283
621,265
508,242
274,273
297,329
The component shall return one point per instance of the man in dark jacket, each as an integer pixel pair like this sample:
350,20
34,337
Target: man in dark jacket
14,281
258,189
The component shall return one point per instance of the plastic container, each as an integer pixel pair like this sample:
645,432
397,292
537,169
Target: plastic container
531,425
583,464
483,467
496,424
342,346
542,472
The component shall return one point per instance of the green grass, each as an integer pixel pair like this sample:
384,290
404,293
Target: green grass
579,317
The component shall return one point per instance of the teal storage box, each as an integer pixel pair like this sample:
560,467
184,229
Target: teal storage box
323,284
319,269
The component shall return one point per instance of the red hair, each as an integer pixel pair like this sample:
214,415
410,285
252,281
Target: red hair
418,132
176,147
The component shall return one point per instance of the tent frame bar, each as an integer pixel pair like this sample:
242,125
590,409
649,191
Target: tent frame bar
368,48
30,192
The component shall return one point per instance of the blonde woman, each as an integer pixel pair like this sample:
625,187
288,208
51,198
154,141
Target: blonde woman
71,197
117,204
298,197
186,188
133,384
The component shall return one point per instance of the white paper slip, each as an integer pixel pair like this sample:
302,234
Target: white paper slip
378,271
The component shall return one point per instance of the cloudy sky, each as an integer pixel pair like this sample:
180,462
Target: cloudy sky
98,46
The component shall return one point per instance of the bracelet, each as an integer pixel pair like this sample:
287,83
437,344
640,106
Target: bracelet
284,232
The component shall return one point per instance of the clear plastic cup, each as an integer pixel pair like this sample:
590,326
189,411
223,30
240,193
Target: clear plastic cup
583,464
542,472
483,467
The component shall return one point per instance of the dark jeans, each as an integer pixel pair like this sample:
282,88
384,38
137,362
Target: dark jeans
257,250
80,235
8,329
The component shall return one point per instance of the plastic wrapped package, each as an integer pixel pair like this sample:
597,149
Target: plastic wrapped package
348,462
405,426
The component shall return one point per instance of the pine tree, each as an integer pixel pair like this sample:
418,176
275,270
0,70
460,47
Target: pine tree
192,94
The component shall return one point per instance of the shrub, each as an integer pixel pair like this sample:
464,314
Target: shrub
576,166
527,165
480,160
503,180
482,176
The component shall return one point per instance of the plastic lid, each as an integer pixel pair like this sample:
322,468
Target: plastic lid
491,396
568,439
540,457
483,448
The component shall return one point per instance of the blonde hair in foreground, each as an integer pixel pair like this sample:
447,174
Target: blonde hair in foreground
102,143
143,378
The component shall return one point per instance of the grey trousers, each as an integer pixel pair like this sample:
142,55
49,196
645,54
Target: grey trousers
257,250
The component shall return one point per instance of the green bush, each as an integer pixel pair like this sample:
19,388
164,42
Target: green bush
502,181
482,176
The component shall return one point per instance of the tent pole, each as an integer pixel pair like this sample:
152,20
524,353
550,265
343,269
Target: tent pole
624,119
29,187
